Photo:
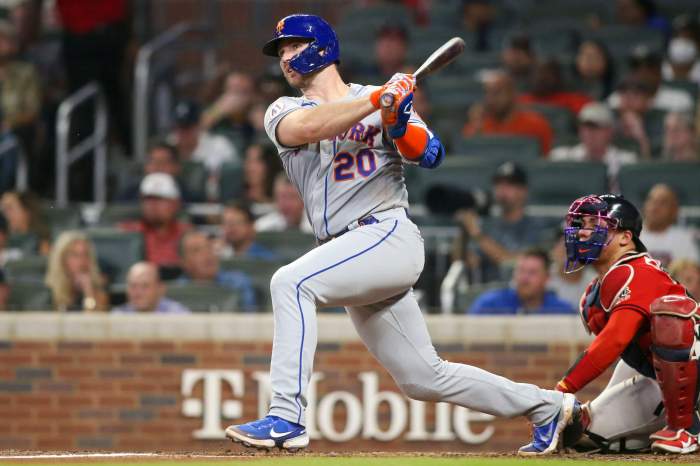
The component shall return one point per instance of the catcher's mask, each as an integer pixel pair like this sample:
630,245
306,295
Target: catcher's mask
599,215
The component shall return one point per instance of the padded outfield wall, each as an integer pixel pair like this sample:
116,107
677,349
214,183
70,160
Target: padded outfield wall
160,383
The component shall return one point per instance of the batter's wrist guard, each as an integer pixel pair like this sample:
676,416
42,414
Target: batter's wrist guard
434,153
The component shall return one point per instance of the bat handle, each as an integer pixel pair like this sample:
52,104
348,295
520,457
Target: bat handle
387,100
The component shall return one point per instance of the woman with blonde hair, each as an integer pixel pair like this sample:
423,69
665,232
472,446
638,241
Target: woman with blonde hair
73,275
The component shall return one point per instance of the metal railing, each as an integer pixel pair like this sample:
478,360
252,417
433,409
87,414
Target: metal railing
97,142
143,78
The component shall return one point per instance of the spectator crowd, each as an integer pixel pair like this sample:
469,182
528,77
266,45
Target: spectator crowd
208,204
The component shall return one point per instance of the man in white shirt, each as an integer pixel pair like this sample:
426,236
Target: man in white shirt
682,63
646,65
289,209
595,133
665,240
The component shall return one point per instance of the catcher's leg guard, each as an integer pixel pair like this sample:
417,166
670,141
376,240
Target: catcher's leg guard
675,355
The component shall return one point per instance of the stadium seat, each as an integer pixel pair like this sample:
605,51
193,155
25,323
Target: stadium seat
561,120
204,298
29,296
230,181
112,214
455,172
116,251
61,218
621,40
260,273
194,179
27,242
27,269
559,183
499,148
684,178
287,244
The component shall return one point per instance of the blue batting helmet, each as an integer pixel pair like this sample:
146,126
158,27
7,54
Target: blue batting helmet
321,52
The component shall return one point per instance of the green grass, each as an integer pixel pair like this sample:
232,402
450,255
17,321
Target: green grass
356,461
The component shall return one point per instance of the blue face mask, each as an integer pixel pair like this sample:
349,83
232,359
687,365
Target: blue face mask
580,253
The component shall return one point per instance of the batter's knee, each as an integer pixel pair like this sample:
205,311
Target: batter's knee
426,383
420,391
282,280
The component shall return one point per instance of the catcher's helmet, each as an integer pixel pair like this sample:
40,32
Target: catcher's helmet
321,52
614,212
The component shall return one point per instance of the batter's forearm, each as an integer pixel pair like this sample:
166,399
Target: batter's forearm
323,122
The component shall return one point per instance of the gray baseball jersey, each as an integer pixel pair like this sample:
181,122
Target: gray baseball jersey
346,178
369,270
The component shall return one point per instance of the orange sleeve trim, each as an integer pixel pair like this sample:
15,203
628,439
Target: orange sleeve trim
413,143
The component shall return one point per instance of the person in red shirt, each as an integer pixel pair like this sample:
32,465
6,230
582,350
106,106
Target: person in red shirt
548,89
642,316
500,115
162,231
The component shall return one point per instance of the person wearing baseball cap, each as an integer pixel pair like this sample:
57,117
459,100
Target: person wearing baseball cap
595,133
160,207
195,143
509,230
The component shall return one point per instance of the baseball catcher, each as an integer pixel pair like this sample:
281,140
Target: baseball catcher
639,314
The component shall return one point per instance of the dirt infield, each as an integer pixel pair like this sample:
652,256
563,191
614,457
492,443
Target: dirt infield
87,457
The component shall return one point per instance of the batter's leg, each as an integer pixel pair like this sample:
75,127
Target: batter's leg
397,335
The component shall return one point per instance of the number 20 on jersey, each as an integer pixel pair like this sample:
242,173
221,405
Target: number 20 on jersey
348,165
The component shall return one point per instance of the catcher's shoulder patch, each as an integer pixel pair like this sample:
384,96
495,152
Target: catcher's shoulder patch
615,287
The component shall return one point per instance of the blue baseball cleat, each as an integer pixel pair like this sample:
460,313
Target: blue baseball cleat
270,432
545,438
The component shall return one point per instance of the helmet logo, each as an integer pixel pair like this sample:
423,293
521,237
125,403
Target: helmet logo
280,26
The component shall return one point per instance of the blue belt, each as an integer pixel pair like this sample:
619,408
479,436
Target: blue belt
368,220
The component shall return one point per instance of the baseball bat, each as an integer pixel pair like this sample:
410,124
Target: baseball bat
437,60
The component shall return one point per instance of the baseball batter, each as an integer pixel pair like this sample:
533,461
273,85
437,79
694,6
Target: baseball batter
346,159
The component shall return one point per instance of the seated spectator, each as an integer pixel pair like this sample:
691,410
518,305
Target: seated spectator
594,70
24,217
518,60
201,265
73,275
665,240
477,18
289,210
162,231
636,98
501,237
500,114
4,291
687,273
682,63
569,286
6,254
261,166
680,142
646,66
162,157
20,96
528,295
238,234
595,133
390,52
228,115
145,292
548,88
192,143
641,13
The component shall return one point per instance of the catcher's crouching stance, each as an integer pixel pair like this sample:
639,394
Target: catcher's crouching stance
640,314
